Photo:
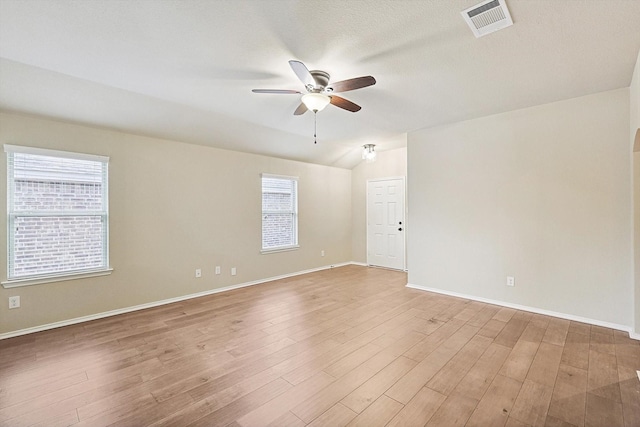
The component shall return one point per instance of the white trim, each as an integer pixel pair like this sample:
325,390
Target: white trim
386,268
271,175
387,178
54,153
530,309
38,280
280,249
116,312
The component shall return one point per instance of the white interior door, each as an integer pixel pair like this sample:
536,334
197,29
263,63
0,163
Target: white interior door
386,223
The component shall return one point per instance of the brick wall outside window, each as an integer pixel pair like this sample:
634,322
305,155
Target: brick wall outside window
53,244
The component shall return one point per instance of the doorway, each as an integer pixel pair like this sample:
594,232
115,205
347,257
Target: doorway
386,226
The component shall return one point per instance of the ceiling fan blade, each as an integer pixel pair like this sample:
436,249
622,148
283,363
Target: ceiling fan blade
300,110
303,73
351,84
280,91
345,104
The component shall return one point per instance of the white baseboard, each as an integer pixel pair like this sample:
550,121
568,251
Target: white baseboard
162,302
363,264
536,310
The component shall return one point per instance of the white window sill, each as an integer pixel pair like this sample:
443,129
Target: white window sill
280,249
38,280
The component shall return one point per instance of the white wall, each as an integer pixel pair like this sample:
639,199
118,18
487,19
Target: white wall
388,164
542,194
176,207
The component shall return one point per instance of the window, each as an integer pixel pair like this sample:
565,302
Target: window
58,220
279,212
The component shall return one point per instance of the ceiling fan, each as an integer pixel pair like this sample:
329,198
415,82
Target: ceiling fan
320,91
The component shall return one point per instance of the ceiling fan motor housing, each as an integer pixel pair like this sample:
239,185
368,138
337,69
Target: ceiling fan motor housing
321,78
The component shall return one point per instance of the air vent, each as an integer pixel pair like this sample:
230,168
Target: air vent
487,17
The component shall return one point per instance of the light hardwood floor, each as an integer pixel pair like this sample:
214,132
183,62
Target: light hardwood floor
348,346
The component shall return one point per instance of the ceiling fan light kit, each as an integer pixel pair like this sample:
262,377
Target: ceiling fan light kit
315,101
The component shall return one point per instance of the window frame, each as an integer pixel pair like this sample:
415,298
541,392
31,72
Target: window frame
34,279
294,212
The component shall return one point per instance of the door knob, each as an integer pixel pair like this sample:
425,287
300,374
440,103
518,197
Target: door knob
400,229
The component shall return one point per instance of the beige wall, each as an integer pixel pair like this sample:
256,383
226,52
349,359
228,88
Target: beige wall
636,240
388,164
542,194
176,207
634,132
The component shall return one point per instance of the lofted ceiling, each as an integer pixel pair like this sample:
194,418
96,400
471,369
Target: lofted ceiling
184,70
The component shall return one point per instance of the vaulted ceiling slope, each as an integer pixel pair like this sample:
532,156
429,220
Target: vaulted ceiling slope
184,69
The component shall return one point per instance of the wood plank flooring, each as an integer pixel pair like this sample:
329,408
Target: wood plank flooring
351,346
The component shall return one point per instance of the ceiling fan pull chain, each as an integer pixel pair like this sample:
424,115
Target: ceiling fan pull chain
315,127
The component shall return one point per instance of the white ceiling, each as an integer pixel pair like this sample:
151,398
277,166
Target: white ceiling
184,70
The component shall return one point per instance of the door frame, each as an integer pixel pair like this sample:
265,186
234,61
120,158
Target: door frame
404,214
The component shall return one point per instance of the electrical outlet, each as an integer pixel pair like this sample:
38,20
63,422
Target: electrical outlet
511,281
217,269
198,273
14,302
321,253
233,271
